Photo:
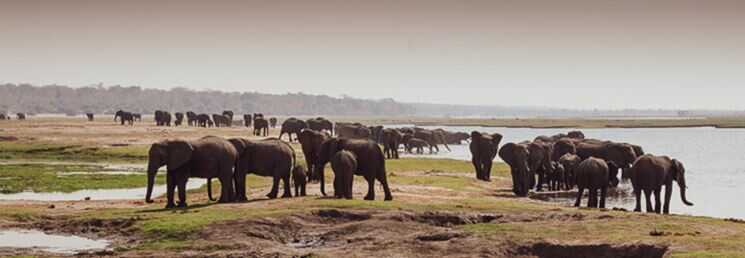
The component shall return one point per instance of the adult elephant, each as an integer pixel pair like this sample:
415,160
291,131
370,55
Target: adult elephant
191,118
320,124
292,126
352,131
433,138
649,173
517,155
376,133
576,134
617,155
261,126
247,120
273,122
203,120
89,116
124,116
179,119
456,138
592,174
229,114
540,163
162,118
484,147
370,162
562,147
311,141
208,157
268,157
391,139
221,120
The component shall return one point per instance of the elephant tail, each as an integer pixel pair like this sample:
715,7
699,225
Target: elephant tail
209,189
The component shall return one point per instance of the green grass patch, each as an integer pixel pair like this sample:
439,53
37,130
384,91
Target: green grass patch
440,165
62,152
16,178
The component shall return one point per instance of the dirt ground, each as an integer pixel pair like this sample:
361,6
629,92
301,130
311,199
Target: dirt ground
467,218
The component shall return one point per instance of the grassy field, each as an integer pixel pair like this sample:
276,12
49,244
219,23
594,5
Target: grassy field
439,209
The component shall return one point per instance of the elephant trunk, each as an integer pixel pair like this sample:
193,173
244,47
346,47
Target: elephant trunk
152,170
682,185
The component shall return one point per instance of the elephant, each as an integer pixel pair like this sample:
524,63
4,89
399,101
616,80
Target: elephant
344,164
649,173
576,134
207,157
540,163
162,118
557,178
454,137
292,126
229,114
416,143
569,162
221,120
391,140
370,162
273,122
124,117
617,155
376,133
320,124
592,174
89,116
516,155
191,118
21,116
484,147
179,119
203,120
562,147
210,123
258,115
268,157
310,141
299,179
261,126
137,117
433,138
352,131
247,120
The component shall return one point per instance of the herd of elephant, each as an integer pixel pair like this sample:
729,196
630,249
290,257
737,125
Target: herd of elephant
558,162
19,116
563,161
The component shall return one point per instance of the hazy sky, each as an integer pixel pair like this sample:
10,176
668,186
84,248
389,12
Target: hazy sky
575,54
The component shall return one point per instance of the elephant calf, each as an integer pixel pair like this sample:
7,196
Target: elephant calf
300,179
592,174
344,163
417,143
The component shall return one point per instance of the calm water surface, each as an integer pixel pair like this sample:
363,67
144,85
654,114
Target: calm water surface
714,161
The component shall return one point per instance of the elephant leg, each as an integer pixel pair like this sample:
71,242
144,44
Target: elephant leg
580,192
240,187
657,202
668,194
227,193
170,187
302,188
383,179
648,195
370,187
541,179
486,170
593,202
638,195
275,188
286,181
603,193
297,188
477,167
182,192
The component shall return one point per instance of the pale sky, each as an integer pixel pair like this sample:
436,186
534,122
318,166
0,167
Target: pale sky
571,54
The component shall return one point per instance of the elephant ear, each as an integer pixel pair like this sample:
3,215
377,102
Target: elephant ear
496,139
507,153
179,153
678,168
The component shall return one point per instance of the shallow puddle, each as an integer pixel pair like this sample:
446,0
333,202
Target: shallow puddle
37,240
102,194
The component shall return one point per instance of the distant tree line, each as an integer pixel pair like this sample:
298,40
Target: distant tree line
99,99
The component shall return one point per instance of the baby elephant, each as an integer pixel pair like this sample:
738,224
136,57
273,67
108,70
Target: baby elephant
417,143
344,164
592,174
299,178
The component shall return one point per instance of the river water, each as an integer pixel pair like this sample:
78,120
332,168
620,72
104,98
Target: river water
714,161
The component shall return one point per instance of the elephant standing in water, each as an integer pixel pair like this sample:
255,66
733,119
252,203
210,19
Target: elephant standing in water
649,173
484,148
292,126
433,138
391,139
592,174
370,162
208,157
269,157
